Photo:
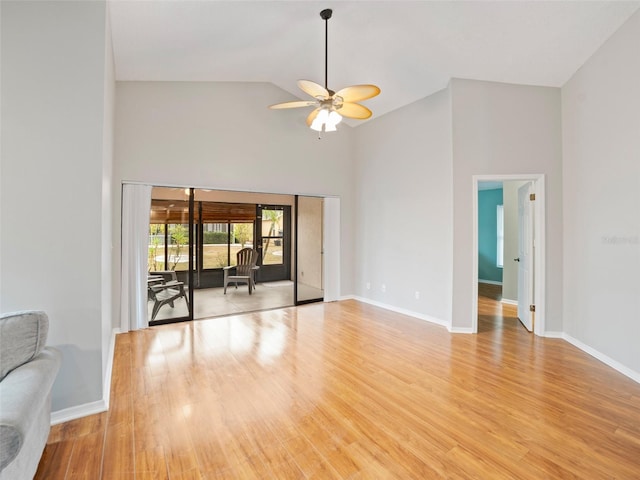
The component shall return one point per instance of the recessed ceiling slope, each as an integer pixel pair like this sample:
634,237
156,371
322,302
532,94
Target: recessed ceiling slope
409,48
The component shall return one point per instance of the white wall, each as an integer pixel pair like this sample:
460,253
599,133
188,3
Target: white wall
107,200
510,269
501,129
1,151
601,150
223,136
53,111
404,208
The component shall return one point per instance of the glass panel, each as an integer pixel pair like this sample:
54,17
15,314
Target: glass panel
215,250
272,251
309,251
178,250
272,222
241,237
167,281
272,240
156,248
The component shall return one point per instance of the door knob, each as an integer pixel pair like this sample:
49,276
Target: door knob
516,259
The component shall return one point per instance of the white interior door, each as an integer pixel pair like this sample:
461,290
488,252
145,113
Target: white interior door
525,256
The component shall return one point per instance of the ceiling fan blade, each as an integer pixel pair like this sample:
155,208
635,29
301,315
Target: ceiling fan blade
354,110
312,116
313,89
356,93
296,104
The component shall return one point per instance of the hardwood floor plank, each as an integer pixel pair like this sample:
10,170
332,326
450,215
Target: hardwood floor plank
118,459
309,460
86,458
54,463
347,390
77,428
151,462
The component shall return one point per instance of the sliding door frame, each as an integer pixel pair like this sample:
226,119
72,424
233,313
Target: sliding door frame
297,252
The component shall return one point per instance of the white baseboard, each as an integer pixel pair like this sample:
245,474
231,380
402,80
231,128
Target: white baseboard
461,330
633,375
347,297
402,311
554,335
72,413
99,406
509,302
490,282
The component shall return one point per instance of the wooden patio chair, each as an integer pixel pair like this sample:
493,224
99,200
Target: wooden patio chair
164,293
245,269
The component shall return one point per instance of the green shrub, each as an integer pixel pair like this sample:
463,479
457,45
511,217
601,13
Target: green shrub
214,237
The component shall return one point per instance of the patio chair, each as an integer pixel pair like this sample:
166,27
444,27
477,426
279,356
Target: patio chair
166,293
245,269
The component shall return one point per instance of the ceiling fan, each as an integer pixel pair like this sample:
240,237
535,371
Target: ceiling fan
331,106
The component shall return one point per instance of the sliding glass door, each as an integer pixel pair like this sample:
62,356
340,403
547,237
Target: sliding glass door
223,230
274,242
194,235
309,250
170,256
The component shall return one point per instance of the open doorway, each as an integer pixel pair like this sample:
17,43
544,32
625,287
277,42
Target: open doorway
508,270
195,235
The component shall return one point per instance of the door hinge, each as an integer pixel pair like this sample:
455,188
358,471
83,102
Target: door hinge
532,196
532,308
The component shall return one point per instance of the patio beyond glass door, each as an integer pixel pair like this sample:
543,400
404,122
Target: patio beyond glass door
274,242
170,256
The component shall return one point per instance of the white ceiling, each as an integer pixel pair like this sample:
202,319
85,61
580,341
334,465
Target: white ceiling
410,49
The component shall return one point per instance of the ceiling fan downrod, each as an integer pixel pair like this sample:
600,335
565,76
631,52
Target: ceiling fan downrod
326,15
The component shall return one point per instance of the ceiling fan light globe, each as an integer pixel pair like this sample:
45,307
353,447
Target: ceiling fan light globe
323,116
334,118
330,127
316,125
320,120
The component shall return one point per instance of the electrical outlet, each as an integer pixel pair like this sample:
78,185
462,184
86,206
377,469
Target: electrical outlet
383,288
417,295
368,285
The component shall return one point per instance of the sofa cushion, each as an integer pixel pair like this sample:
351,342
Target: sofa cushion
22,336
25,416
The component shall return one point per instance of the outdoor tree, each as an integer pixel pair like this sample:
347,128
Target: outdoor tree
274,217
243,232
154,231
180,237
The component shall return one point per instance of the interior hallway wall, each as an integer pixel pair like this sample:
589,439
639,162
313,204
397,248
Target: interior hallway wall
55,152
601,149
404,208
501,129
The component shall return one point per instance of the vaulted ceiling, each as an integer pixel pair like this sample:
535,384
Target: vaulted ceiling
409,48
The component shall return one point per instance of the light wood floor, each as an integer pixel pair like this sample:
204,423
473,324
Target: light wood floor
347,390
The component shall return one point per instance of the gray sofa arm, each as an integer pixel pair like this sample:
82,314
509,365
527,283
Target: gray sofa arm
23,393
